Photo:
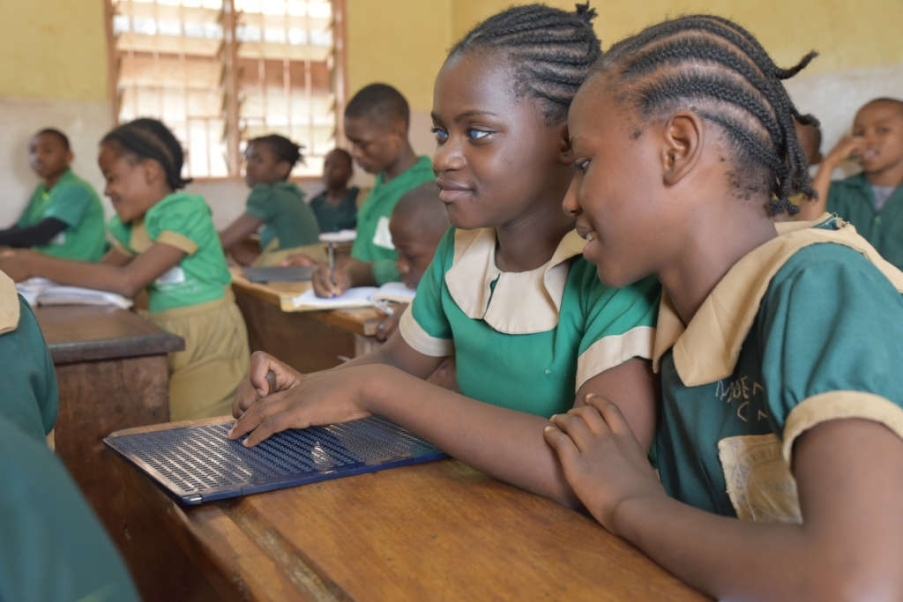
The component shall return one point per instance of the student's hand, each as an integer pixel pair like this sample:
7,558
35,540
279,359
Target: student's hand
602,460
15,263
302,259
320,398
847,148
332,285
389,323
266,376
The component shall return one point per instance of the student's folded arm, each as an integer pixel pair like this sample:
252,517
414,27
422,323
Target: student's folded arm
126,279
240,229
39,234
849,476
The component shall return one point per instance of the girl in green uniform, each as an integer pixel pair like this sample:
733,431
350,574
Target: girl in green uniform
166,244
507,293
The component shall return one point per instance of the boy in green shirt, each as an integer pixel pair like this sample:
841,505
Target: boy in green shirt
64,217
376,124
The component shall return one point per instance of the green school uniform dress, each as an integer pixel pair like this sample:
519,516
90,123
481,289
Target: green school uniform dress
288,221
853,200
75,202
30,396
192,300
53,547
526,340
806,328
374,242
333,218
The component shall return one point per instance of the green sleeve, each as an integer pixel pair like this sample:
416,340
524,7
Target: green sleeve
831,326
71,203
31,398
619,323
426,308
53,546
186,216
258,204
840,194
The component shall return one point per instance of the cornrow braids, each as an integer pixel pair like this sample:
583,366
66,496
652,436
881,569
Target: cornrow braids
150,139
720,70
282,147
552,51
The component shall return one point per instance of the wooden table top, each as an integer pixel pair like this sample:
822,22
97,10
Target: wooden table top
78,333
433,531
363,321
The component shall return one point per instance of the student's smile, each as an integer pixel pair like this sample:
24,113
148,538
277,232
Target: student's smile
494,151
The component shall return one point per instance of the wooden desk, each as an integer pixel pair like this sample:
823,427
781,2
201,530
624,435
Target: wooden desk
112,371
308,340
436,531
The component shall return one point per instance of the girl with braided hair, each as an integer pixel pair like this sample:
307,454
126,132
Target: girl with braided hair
166,244
507,292
778,351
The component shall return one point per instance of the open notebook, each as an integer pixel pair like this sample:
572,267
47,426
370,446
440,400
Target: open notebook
361,296
196,463
40,291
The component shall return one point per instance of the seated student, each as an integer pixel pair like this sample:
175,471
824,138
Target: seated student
166,244
779,355
872,200
376,123
53,547
64,217
508,293
417,225
336,207
274,203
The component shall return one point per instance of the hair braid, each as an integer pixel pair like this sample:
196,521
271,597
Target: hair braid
552,51
719,69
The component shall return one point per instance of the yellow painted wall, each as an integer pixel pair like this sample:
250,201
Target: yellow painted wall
57,48
848,34
399,42
53,49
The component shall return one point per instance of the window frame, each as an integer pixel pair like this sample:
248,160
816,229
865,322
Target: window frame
232,116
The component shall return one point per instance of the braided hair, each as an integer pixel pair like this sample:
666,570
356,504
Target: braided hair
718,69
147,138
283,148
552,51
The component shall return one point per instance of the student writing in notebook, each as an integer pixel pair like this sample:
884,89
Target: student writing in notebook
275,206
377,119
779,354
53,547
167,245
64,217
531,327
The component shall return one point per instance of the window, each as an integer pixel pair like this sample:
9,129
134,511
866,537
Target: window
219,72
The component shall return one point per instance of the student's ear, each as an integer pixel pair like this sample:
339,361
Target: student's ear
69,157
153,171
284,169
683,137
565,152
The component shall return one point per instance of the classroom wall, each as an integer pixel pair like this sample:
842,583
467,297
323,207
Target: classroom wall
55,66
